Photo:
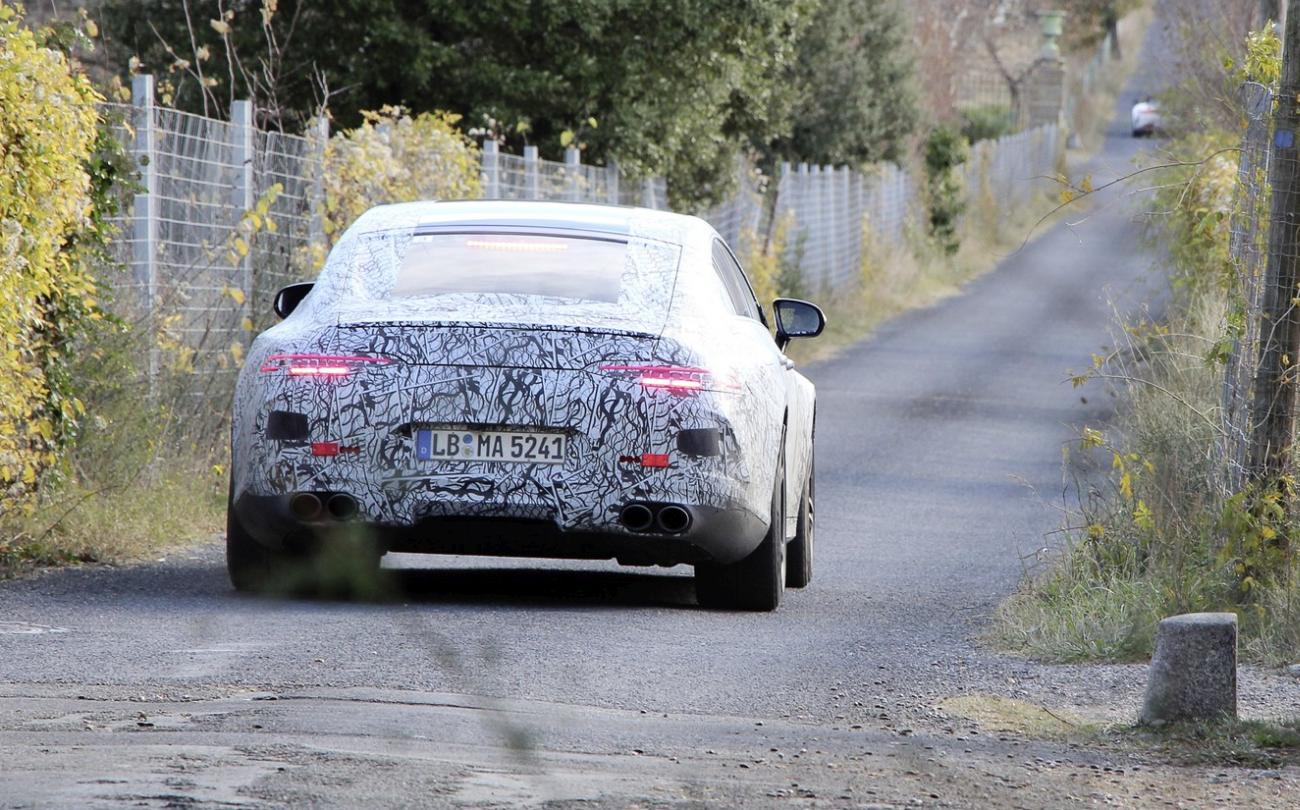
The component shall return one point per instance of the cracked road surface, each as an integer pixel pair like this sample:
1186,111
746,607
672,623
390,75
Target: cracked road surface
491,683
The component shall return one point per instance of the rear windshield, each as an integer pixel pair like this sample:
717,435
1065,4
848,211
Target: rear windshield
546,278
573,268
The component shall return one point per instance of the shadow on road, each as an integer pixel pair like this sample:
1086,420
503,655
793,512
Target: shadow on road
542,588
512,587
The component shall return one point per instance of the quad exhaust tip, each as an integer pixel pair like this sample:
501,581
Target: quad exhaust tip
309,507
341,506
637,517
673,519
667,518
305,506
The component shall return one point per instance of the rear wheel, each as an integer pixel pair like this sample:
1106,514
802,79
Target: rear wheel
252,567
799,555
756,582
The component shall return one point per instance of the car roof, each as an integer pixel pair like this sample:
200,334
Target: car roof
608,219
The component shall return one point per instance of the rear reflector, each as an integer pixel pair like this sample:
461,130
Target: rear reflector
654,459
324,448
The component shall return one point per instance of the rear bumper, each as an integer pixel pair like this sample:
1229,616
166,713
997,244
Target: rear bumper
715,535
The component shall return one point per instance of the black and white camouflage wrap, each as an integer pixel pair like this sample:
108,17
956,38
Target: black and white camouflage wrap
524,362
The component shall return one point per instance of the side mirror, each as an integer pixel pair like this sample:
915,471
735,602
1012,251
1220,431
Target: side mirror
796,319
288,298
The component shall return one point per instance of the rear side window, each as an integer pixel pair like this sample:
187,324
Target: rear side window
566,267
733,278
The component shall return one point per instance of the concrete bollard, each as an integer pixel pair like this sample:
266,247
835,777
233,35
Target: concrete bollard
1193,673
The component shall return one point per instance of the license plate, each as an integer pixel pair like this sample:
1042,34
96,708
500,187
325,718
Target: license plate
490,445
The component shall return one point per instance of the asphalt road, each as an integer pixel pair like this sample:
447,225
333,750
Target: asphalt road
490,682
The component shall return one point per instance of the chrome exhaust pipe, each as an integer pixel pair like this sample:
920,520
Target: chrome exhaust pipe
673,519
636,517
341,506
305,506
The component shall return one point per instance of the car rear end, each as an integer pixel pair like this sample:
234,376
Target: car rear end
505,391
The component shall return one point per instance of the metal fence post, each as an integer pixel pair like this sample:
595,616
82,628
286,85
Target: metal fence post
572,171
241,118
611,182
144,258
531,184
648,193
320,136
491,170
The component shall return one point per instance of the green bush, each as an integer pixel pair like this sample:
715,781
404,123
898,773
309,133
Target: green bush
945,150
987,122
48,224
393,157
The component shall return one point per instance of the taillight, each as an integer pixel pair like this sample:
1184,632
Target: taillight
323,366
677,380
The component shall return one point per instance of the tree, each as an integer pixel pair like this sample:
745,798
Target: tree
1090,21
855,102
667,87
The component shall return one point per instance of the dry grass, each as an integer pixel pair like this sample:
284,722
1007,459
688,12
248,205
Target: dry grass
84,522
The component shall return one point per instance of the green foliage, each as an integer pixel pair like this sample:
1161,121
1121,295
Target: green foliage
1254,526
855,102
671,88
393,157
945,150
1262,61
987,122
49,225
772,269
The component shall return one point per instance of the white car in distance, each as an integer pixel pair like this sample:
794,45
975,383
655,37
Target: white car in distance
1146,117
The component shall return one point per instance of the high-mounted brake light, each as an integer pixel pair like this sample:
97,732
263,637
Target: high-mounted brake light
677,380
516,247
322,366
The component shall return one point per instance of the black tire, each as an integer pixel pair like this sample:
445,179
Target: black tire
799,554
250,565
756,582
254,568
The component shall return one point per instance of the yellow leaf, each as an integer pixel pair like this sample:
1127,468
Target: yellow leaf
566,138
1126,486
236,295
246,324
220,26
237,351
91,29
241,247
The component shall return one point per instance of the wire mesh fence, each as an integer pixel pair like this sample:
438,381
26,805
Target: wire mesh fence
224,213
201,272
834,215
1247,252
